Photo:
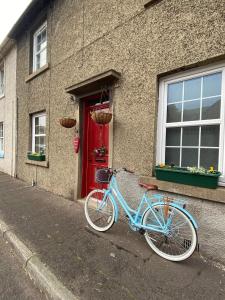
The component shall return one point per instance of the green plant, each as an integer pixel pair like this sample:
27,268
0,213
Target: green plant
41,153
195,170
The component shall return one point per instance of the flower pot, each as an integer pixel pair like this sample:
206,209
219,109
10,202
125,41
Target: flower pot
183,176
67,122
40,157
101,117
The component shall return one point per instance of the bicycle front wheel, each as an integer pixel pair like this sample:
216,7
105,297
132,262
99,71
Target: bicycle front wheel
99,210
180,240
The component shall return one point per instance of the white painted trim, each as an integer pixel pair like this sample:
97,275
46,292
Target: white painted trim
37,32
162,112
34,116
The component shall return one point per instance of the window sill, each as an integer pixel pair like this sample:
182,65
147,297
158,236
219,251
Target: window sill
215,195
2,96
37,73
44,164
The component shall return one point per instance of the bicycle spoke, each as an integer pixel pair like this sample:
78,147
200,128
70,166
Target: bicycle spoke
177,241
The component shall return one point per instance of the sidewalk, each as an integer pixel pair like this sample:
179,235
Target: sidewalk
114,265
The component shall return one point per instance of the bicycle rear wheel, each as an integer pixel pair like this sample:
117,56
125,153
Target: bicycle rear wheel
179,242
99,210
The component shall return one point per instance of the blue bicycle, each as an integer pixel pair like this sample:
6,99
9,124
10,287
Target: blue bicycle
169,228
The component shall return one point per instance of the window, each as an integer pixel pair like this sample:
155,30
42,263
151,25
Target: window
40,47
2,80
1,140
191,120
39,133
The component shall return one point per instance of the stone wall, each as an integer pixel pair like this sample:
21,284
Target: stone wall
85,39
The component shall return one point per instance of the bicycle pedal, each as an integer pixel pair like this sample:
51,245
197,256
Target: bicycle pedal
141,231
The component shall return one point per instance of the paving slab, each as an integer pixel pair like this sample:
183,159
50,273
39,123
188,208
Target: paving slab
117,264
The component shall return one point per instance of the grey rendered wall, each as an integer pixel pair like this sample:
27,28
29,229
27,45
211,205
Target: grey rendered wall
8,114
87,38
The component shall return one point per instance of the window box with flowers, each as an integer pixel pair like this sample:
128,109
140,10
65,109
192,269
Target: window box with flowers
191,175
36,156
191,120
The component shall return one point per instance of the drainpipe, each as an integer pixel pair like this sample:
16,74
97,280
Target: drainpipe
16,139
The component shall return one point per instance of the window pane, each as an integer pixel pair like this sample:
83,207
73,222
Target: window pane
210,136
212,85
1,144
189,157
37,131
43,58
1,130
173,136
192,89
175,92
190,136
42,124
191,110
44,35
39,39
208,158
174,112
37,144
43,45
211,108
38,59
172,156
42,142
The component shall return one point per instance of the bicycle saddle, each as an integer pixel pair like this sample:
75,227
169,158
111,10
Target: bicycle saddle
148,186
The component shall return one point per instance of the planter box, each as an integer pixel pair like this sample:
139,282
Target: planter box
183,176
36,157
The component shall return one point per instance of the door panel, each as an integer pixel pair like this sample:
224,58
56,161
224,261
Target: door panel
95,148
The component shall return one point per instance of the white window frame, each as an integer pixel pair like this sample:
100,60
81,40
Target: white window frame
2,67
34,116
35,53
162,114
3,140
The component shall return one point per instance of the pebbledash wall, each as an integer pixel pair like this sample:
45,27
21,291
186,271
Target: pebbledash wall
141,42
8,107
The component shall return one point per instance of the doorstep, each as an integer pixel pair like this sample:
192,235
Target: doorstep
216,195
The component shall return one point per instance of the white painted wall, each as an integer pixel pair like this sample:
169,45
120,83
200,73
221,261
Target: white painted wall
8,113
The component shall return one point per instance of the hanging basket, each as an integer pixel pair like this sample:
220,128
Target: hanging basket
101,117
67,122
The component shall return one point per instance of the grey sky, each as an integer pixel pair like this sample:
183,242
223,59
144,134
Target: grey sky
10,11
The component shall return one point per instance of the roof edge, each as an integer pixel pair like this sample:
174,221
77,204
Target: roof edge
6,46
32,10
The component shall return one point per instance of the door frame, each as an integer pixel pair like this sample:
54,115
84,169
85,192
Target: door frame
85,161
80,122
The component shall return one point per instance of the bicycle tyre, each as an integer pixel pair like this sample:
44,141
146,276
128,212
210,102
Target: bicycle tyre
100,219
163,246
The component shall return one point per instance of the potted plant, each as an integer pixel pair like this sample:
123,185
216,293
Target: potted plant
36,156
190,175
67,122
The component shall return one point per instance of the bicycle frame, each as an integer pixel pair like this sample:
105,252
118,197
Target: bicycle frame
134,215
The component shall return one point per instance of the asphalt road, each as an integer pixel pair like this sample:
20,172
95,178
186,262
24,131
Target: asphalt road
14,283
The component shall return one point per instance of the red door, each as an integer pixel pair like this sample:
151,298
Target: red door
95,148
